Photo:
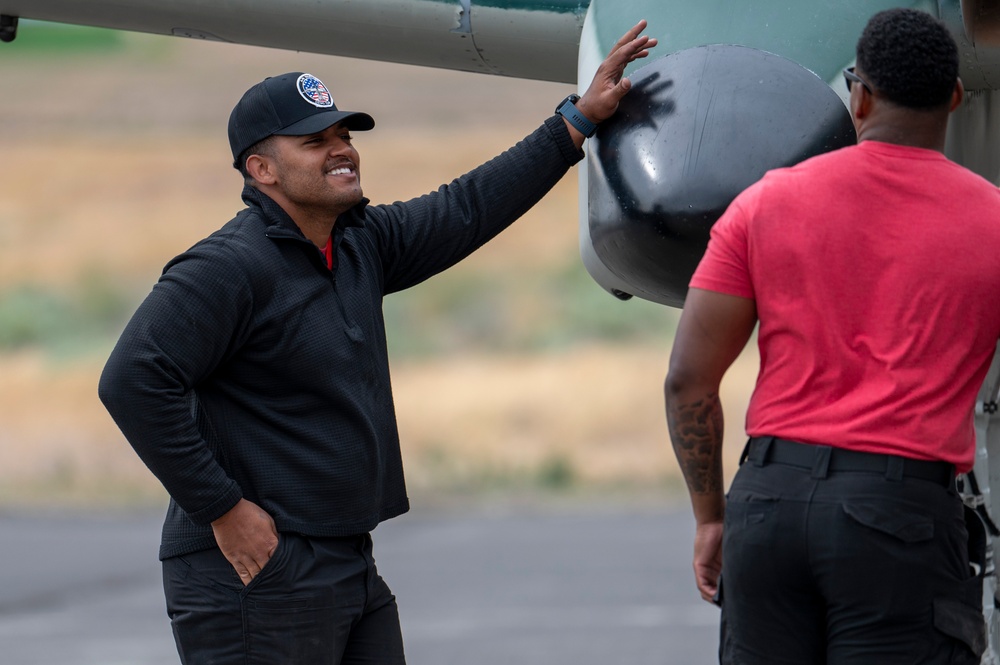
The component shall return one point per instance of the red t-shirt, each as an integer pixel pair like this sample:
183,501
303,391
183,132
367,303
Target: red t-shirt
876,275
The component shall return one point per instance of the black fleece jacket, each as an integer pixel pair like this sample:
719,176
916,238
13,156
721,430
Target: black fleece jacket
252,370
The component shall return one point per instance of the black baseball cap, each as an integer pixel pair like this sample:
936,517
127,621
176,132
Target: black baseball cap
293,104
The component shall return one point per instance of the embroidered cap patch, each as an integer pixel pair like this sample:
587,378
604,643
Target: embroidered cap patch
314,92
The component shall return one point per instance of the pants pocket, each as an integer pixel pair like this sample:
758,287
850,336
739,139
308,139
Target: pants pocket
752,522
961,617
908,527
288,614
204,608
294,630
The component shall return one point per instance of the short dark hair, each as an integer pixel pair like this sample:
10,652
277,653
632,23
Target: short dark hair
263,147
909,57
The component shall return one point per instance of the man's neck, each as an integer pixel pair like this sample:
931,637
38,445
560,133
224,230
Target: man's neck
916,129
315,223
316,230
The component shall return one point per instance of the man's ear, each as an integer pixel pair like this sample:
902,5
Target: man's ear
261,169
861,103
957,95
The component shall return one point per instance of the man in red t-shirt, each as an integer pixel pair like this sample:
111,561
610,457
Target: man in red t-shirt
873,272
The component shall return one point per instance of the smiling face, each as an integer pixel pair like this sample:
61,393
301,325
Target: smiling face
313,177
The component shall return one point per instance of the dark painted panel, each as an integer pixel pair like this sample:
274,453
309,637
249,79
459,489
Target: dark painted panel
697,128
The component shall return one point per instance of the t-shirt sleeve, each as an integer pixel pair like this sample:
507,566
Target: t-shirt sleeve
725,268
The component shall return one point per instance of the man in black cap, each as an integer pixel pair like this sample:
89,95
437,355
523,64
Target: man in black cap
254,382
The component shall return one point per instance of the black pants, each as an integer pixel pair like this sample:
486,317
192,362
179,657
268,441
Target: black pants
318,601
823,565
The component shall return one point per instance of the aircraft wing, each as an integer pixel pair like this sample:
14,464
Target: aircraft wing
523,39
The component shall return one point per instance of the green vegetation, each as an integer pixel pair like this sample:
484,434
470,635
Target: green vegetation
67,489
40,37
517,312
556,473
454,312
440,468
63,323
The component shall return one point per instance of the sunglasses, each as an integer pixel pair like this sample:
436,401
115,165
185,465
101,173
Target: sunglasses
850,77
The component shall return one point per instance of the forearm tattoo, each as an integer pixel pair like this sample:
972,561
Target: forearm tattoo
696,434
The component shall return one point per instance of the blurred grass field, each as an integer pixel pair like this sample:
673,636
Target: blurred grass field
512,372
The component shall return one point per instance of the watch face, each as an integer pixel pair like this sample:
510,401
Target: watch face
570,99
567,109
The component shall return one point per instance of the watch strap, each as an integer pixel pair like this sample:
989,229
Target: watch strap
567,109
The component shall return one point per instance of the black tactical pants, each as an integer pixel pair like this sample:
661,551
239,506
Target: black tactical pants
831,558
318,601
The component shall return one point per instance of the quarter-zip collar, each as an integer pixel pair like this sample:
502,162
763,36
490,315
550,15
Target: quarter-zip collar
281,225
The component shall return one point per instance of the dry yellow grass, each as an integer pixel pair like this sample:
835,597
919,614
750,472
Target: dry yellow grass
463,420
106,180
598,409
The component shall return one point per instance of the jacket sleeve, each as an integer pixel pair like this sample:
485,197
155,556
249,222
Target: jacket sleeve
183,329
421,237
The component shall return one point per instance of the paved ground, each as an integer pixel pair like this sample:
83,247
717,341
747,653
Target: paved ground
563,587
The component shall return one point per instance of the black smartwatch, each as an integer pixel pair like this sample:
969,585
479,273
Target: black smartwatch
567,109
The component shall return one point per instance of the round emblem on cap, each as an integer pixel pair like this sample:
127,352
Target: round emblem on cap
314,92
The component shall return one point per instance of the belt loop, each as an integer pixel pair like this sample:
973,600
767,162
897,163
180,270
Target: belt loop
759,446
821,465
894,468
746,451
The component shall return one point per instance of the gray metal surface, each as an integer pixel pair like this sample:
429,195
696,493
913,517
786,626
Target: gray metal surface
987,473
520,38
580,586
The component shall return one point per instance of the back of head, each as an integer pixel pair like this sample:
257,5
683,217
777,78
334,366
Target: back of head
909,57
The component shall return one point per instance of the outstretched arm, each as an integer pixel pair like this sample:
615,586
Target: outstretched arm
609,84
712,331
421,237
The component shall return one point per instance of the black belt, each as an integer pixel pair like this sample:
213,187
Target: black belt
824,459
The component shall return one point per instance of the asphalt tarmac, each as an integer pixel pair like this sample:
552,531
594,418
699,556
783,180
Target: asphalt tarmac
578,585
